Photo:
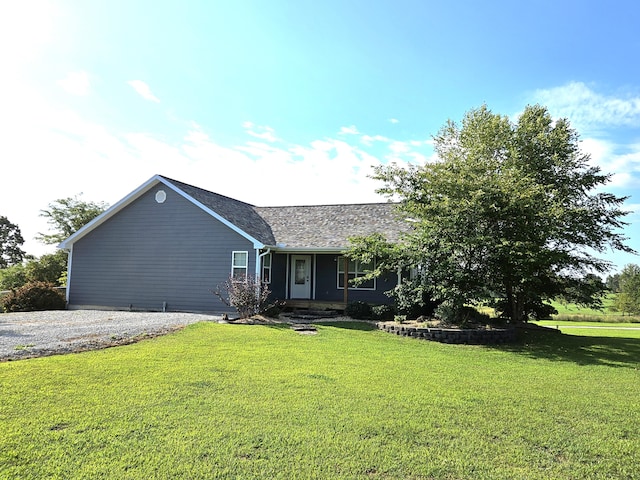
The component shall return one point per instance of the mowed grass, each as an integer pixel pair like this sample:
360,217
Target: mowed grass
230,401
574,313
625,330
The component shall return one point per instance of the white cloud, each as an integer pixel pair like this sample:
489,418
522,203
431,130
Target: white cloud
597,118
587,109
371,139
143,90
352,130
394,120
621,161
262,132
76,83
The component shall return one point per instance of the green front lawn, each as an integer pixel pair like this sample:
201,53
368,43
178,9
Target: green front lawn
230,401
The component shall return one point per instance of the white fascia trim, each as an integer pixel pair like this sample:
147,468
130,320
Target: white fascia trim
110,212
69,264
138,192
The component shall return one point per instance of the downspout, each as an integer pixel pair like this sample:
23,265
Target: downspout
258,276
345,274
259,258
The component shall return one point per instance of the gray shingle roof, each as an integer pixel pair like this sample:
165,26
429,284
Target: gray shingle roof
314,226
330,226
241,214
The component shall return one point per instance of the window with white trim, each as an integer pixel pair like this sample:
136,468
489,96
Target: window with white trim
356,269
239,265
266,268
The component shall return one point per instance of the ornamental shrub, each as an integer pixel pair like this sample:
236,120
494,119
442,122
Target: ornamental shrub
33,296
248,295
358,310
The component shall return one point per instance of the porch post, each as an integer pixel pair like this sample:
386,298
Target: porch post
346,278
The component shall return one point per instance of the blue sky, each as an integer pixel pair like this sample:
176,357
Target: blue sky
286,102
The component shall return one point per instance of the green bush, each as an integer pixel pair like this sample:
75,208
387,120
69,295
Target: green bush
413,299
274,309
358,310
462,316
382,312
33,296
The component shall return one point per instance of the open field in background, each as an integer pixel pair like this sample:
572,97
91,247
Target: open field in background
572,312
230,401
569,312
626,330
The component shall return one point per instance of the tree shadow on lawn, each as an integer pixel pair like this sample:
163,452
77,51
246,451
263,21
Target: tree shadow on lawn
582,350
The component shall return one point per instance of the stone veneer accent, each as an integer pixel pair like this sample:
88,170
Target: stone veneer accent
452,335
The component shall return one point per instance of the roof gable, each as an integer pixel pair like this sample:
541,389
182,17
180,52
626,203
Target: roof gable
258,231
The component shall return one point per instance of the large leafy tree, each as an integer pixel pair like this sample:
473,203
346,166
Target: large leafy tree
510,213
67,215
10,242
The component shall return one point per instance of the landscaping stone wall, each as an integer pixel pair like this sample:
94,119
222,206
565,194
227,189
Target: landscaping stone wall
452,335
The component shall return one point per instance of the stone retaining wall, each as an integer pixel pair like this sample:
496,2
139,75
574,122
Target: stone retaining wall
452,335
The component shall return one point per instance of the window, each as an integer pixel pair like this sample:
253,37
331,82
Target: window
266,268
239,264
356,270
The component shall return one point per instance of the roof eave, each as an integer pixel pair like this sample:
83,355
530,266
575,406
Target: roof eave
308,249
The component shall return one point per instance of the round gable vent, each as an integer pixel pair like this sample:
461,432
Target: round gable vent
161,196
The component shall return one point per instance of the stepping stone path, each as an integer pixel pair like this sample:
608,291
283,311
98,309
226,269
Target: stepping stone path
304,328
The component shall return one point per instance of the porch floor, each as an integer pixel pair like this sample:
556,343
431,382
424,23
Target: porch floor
315,305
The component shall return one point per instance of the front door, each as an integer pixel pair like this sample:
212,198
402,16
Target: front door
300,276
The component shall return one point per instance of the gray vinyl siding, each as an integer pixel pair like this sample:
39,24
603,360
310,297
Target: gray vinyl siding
150,253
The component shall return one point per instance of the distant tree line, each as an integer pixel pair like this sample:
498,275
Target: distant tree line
65,216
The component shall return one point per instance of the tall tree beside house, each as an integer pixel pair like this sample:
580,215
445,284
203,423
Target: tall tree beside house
10,242
67,215
511,213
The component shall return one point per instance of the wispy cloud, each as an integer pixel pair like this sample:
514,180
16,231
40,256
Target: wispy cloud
588,109
76,83
371,139
351,130
262,132
394,120
143,90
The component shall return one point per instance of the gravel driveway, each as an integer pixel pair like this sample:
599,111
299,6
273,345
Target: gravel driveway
34,334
